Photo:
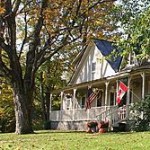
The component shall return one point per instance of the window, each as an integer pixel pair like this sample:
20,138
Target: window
83,102
68,104
93,66
112,98
93,70
99,99
93,75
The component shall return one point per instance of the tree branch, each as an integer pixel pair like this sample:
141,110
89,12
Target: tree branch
35,41
42,59
16,7
25,35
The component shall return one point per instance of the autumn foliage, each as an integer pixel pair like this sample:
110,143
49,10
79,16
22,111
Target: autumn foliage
32,32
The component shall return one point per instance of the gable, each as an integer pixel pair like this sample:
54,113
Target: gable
92,66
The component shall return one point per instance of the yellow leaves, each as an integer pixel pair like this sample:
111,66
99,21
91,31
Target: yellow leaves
100,34
44,75
6,92
4,57
62,16
2,10
1,112
51,15
34,15
99,22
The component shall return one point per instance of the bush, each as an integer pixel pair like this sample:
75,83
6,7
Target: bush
47,125
7,120
140,115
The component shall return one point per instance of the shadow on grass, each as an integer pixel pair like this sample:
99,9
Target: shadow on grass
75,131
57,131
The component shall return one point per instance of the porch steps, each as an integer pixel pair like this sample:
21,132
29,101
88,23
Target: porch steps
117,118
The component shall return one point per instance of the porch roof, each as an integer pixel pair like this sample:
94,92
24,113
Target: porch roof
119,75
94,82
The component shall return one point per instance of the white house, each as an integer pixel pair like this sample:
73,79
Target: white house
99,70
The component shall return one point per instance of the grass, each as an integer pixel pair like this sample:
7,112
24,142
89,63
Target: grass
57,140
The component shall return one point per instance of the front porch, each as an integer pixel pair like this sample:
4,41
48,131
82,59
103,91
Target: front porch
76,119
73,116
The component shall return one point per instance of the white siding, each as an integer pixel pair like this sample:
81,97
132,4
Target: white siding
103,69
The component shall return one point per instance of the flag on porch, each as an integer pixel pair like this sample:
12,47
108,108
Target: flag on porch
122,90
91,97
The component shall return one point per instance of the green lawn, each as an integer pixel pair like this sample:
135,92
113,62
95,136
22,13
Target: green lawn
56,140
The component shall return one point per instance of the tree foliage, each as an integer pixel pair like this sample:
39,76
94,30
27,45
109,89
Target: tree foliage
32,32
134,24
48,79
7,114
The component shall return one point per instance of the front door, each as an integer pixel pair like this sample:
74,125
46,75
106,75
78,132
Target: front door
112,98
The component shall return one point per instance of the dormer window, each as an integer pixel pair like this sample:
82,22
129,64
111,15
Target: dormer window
93,70
93,67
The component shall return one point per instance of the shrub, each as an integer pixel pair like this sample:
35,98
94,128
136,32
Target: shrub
140,115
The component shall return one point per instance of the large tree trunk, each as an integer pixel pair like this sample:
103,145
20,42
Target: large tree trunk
23,110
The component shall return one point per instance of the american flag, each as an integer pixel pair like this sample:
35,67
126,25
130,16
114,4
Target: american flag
91,97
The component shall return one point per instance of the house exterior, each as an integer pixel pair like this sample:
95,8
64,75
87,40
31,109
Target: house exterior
99,70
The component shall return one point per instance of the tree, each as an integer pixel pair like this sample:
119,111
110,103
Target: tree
49,79
40,29
134,22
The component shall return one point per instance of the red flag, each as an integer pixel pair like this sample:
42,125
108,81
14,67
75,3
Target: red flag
122,90
90,99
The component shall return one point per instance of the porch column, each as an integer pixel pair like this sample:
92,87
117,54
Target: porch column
50,106
128,92
61,96
128,98
143,85
74,99
117,88
106,94
61,113
73,103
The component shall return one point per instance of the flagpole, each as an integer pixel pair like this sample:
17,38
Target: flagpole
88,114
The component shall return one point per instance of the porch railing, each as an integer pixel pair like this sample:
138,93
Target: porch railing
78,114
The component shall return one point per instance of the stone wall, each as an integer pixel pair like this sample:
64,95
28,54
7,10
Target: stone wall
68,125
